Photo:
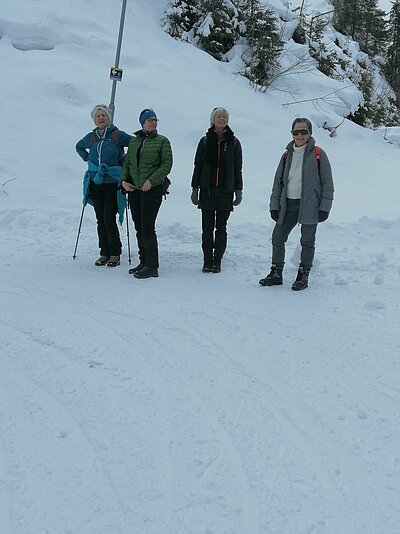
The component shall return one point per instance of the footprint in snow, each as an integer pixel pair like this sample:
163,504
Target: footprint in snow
374,305
361,414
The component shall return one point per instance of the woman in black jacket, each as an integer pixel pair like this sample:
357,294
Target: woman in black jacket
217,179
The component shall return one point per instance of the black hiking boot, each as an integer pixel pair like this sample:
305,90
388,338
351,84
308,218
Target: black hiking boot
138,267
101,261
113,261
301,281
216,267
274,278
146,272
207,267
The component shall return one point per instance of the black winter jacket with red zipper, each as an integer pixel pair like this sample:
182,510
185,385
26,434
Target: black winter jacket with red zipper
218,164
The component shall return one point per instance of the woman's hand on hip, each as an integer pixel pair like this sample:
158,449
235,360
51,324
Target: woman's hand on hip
146,186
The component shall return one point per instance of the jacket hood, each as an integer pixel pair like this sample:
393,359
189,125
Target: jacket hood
110,128
151,134
228,130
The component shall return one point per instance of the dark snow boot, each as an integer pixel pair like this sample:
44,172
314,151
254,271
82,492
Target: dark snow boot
146,272
113,261
274,278
301,281
216,266
207,267
101,261
138,267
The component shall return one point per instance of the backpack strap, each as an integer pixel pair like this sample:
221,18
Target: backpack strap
317,154
284,157
114,137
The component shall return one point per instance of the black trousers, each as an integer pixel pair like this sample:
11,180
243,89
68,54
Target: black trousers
214,236
105,205
144,208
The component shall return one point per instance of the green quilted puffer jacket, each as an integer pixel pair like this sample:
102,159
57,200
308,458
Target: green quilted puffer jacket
153,162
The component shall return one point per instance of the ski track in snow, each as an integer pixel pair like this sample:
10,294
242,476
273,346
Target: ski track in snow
162,420
190,404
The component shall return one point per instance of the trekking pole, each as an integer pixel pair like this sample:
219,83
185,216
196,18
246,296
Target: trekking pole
79,231
127,230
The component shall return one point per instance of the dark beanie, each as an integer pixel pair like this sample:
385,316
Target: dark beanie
146,114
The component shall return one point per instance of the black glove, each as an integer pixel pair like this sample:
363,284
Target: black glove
274,215
194,197
238,198
323,215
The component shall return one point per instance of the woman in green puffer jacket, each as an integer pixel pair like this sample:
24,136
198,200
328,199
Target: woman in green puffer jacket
147,165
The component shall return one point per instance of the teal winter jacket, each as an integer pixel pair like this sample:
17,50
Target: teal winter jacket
102,152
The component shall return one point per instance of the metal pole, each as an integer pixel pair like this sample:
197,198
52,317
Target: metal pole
114,83
127,228
79,231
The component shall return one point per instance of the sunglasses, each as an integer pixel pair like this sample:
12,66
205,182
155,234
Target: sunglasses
300,132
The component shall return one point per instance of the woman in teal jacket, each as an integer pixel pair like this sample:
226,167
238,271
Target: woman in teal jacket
102,149
147,165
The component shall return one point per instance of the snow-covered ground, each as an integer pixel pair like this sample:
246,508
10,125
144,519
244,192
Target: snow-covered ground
190,404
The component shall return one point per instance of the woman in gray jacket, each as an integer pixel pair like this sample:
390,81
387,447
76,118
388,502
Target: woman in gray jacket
302,193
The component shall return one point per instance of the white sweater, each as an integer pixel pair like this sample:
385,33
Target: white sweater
294,177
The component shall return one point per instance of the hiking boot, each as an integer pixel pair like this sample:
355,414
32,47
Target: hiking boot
216,267
101,261
113,261
274,278
146,272
207,267
301,281
138,267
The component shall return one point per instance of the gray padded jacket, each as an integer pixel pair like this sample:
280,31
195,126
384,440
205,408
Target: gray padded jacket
317,185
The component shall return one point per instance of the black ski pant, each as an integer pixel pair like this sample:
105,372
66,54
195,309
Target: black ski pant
144,206
214,235
281,233
105,205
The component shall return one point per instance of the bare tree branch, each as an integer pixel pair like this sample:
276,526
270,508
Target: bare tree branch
6,182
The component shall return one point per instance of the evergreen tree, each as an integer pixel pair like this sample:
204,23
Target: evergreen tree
392,66
363,22
181,17
347,16
362,114
209,24
217,31
264,42
216,26
327,59
372,33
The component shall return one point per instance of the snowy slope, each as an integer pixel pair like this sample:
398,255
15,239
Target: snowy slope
189,404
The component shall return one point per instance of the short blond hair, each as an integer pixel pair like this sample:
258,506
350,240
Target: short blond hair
215,112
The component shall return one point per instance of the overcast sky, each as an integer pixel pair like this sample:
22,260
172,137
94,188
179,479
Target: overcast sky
385,4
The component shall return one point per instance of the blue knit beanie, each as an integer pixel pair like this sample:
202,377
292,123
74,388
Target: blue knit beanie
146,114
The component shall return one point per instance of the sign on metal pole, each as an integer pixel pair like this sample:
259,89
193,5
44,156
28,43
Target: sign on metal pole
116,72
